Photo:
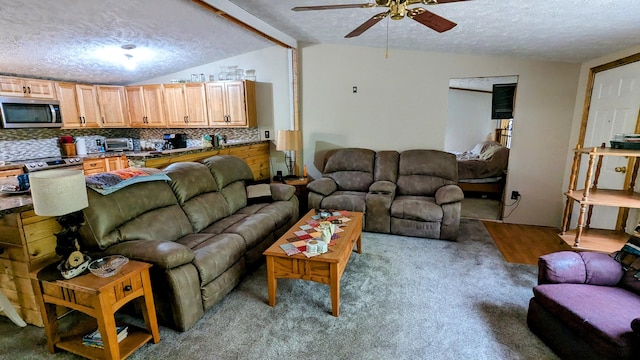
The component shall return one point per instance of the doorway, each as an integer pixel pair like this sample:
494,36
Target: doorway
472,133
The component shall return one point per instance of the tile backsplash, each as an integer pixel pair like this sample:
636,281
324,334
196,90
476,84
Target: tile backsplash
23,144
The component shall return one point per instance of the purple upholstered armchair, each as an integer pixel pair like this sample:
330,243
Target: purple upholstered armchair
586,306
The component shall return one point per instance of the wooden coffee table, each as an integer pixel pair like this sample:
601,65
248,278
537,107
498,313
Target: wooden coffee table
325,269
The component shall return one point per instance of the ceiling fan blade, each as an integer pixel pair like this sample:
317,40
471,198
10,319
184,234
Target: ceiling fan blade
427,18
331,7
367,24
444,1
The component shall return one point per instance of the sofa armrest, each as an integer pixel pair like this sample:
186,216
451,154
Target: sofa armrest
579,268
383,187
449,194
323,186
164,254
282,192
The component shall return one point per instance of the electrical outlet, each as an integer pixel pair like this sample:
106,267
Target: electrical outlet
515,195
355,89
267,134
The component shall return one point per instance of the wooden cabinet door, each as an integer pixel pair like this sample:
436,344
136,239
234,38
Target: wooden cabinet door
87,102
216,99
68,106
117,163
145,106
41,89
113,106
235,104
135,106
196,105
12,172
154,105
175,103
10,86
232,104
94,166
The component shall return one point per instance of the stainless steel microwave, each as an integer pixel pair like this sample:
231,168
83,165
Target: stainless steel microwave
20,113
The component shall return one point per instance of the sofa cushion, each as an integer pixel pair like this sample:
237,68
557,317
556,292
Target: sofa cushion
253,228
142,211
227,169
196,191
351,169
422,172
417,208
601,315
280,211
386,166
345,200
578,268
216,254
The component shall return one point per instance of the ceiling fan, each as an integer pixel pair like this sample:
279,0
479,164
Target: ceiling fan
398,9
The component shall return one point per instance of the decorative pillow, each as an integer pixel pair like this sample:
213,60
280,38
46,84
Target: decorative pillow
259,193
629,257
107,182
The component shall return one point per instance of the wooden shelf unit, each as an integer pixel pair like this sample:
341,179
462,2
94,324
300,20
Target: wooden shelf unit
583,237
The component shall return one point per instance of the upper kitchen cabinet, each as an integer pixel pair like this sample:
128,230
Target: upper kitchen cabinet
40,89
186,105
232,103
78,105
145,104
113,106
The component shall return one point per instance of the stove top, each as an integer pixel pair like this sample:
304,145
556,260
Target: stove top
52,163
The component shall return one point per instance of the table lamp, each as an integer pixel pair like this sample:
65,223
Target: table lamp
63,193
289,141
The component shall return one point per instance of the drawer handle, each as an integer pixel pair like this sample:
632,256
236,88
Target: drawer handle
127,288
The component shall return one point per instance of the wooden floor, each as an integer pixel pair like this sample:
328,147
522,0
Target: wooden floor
523,244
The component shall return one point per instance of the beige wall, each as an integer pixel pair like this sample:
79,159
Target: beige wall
402,104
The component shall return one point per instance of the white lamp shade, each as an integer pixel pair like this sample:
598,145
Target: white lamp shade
289,140
58,192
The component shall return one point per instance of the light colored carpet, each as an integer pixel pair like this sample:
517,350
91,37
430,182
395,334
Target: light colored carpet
478,208
402,298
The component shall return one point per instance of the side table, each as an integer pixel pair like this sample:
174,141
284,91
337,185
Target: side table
301,192
99,298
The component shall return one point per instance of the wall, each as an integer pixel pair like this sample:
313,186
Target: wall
273,89
402,103
468,120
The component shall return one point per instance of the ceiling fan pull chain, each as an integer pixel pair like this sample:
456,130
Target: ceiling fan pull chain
386,53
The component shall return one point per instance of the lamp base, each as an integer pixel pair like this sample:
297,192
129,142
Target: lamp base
71,272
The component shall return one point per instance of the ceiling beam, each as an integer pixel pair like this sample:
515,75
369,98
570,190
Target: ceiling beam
242,18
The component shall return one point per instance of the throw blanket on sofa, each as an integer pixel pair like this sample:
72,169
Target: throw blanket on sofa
111,181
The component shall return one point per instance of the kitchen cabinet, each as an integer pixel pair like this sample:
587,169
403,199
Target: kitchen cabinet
112,101
10,172
232,103
583,237
32,88
146,106
94,166
186,105
27,244
98,165
78,105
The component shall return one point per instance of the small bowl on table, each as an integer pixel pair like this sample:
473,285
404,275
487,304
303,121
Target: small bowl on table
108,265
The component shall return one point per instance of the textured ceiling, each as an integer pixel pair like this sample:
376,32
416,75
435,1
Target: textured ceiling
556,30
61,39
66,39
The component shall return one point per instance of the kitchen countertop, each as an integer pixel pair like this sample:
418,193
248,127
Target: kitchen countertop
11,203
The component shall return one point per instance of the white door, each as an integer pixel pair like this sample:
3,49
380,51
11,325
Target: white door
615,102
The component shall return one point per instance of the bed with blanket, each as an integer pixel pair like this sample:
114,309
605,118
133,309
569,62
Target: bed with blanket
483,168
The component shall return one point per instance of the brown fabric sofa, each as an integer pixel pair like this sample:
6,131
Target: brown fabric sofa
411,193
197,230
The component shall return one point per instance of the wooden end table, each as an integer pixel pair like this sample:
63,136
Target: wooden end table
301,192
99,298
326,268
